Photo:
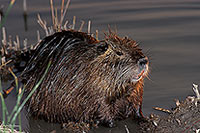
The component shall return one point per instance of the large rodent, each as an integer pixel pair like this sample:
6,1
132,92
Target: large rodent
88,80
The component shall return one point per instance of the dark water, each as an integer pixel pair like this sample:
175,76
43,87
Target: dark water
168,32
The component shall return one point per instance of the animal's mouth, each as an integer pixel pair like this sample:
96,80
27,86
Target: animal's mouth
142,69
141,74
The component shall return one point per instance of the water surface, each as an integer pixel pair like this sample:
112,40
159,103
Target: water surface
168,32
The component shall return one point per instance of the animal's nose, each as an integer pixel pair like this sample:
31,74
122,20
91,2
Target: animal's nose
143,61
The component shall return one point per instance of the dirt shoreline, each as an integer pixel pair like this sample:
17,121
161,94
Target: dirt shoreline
185,117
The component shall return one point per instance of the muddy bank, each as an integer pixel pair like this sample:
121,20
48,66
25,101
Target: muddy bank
185,117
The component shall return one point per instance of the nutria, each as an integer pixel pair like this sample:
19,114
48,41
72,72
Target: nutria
88,80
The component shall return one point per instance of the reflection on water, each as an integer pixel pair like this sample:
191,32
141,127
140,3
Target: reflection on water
168,31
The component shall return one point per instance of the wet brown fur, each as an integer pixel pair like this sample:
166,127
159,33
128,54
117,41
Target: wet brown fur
88,80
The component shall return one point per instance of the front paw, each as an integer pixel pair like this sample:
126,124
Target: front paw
109,123
139,114
140,117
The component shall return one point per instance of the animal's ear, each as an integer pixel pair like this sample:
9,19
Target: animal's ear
102,48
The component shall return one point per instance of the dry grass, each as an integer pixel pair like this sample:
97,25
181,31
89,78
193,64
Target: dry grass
4,63
58,24
6,129
196,91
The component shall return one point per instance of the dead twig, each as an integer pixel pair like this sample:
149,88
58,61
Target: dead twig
89,26
43,24
5,63
163,110
196,91
65,10
4,42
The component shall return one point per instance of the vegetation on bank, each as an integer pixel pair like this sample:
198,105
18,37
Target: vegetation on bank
9,119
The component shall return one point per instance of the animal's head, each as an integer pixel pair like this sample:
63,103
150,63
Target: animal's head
119,64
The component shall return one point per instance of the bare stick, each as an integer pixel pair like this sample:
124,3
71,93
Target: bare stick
25,44
4,63
3,60
163,110
66,7
89,26
18,43
38,35
177,102
25,6
32,47
81,27
195,89
65,25
97,34
51,31
74,22
10,42
4,41
52,12
43,25
61,11
56,26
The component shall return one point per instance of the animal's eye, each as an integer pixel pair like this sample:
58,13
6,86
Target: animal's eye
119,53
102,48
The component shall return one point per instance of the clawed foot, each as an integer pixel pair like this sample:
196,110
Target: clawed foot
140,117
142,120
109,123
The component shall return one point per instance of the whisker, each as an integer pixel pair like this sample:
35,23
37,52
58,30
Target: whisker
147,76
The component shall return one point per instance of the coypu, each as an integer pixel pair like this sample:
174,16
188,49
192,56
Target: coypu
89,81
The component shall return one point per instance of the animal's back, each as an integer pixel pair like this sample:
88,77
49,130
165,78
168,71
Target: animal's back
57,99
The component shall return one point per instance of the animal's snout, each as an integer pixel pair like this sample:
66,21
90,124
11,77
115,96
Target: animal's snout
143,61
